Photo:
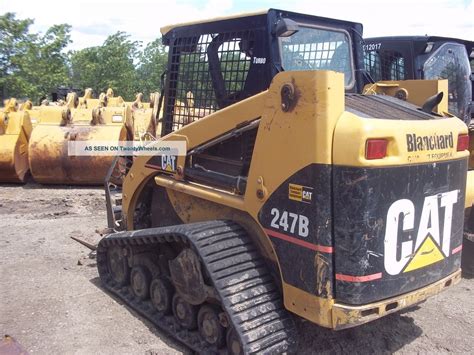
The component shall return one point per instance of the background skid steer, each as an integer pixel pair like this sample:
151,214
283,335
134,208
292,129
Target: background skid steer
429,57
15,131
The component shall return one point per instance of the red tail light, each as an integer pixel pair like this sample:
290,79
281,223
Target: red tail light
463,142
375,148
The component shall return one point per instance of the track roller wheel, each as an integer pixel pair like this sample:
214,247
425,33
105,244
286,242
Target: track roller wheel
184,312
118,265
233,343
161,295
210,327
140,279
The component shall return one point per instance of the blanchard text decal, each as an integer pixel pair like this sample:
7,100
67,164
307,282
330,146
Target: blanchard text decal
433,142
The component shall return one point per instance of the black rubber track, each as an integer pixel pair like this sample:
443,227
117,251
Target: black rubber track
238,273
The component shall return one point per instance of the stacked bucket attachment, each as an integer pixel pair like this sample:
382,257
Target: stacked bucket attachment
15,131
146,125
36,138
50,162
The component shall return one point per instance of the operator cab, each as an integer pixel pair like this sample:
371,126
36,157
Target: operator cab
215,64
425,57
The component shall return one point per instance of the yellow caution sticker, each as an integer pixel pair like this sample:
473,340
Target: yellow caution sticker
300,193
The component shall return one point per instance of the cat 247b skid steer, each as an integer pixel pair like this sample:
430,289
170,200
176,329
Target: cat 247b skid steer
295,196
428,57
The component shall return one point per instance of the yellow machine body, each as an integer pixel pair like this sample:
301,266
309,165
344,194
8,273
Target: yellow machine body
417,92
470,173
318,130
413,91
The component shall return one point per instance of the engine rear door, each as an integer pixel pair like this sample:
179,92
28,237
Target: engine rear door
398,220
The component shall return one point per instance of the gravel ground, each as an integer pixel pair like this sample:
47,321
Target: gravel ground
51,300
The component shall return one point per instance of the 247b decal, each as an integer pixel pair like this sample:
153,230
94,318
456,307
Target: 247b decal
427,245
290,222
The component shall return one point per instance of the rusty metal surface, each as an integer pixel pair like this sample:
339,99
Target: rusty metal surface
86,244
51,164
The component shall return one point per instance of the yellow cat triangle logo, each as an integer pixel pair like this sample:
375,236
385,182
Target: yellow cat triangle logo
427,254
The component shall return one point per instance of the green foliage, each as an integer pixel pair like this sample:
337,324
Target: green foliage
85,69
110,65
44,66
14,40
34,65
31,65
153,61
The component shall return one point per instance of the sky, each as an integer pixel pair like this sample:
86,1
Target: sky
93,21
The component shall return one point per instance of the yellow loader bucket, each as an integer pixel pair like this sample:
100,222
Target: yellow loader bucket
143,128
50,162
35,115
146,122
15,131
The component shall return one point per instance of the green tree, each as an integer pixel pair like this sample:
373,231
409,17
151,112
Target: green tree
31,65
110,65
44,66
14,39
86,69
152,64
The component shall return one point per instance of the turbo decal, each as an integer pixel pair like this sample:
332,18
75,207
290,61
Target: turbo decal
432,241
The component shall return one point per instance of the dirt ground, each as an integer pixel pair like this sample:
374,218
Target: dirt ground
51,300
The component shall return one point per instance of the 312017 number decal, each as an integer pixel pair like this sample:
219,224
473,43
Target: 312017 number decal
372,46
290,222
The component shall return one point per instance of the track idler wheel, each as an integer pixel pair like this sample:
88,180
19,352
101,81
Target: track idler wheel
140,279
233,343
210,327
184,312
161,295
118,265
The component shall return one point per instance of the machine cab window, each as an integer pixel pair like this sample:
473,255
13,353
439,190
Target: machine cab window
451,62
313,48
